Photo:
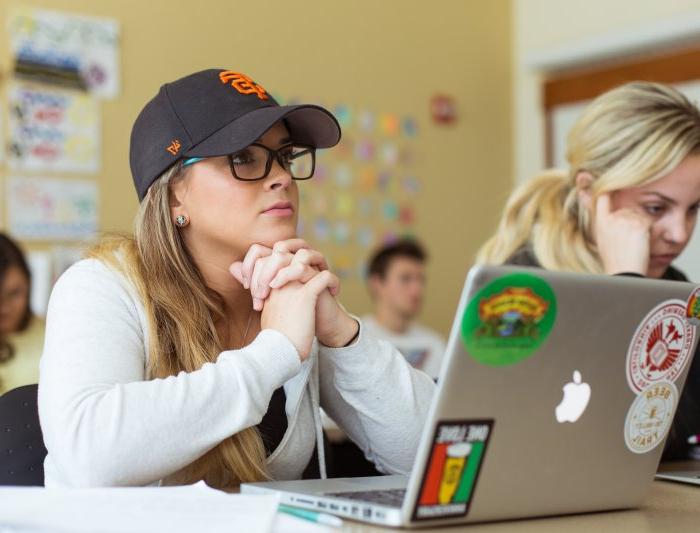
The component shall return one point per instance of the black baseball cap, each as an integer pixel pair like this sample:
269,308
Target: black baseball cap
212,113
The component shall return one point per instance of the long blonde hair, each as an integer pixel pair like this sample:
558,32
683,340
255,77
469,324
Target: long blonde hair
182,313
627,137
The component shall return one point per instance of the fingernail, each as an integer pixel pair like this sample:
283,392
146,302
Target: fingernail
274,283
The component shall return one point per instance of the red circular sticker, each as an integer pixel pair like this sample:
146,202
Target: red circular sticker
661,346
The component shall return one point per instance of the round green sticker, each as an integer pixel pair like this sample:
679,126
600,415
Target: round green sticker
508,319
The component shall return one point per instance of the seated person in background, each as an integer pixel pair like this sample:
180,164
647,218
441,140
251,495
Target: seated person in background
21,333
396,279
627,204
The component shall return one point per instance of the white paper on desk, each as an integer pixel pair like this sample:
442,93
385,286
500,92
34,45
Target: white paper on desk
127,510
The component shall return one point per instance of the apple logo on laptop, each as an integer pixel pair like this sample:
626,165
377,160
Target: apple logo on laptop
575,400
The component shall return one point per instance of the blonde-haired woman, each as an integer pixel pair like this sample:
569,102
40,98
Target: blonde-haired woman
627,204
204,347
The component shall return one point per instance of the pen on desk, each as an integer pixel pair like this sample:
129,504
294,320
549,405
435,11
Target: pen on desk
313,516
694,439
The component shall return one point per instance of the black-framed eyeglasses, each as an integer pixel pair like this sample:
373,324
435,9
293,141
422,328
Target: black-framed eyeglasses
254,162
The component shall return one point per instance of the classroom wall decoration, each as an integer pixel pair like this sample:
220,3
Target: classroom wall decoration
2,135
66,49
62,65
52,130
364,190
443,109
52,208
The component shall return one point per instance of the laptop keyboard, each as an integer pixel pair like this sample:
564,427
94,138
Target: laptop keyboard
389,497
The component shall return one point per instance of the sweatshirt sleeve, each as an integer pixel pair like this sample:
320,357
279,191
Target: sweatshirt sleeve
377,398
103,423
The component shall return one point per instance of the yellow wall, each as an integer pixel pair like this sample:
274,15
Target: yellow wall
383,55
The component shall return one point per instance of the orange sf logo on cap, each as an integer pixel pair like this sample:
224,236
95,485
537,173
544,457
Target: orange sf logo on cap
243,84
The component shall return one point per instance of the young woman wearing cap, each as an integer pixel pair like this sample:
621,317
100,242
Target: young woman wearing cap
627,204
203,347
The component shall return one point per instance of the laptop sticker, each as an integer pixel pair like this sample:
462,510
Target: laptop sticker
692,311
650,416
449,481
509,319
661,346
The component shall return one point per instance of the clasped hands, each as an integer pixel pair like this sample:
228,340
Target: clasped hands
296,292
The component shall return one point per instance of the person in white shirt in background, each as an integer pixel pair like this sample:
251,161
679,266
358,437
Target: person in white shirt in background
396,280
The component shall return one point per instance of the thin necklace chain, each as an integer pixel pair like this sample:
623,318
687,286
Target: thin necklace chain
245,333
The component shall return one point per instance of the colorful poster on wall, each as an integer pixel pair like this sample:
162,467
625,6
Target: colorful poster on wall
51,208
53,130
66,49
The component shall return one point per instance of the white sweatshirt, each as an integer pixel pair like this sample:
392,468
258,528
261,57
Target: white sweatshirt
106,423
422,347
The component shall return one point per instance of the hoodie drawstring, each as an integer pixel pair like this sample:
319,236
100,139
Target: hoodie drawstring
316,410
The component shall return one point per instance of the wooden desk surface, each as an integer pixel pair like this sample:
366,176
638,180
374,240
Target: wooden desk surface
669,507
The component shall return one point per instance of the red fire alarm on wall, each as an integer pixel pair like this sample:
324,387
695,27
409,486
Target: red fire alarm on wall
443,109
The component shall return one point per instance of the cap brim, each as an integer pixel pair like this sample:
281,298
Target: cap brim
309,125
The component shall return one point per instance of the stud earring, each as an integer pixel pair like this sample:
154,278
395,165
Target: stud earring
181,221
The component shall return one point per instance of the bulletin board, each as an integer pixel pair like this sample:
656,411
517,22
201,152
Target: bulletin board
59,68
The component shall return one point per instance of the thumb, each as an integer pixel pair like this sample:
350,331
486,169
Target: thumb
236,270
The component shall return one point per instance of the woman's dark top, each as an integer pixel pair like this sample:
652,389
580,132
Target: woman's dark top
273,426
687,420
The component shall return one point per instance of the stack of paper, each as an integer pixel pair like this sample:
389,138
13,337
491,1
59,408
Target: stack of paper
125,510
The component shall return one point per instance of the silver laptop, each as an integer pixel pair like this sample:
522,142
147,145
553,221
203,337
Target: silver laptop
555,397
691,477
